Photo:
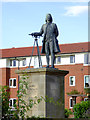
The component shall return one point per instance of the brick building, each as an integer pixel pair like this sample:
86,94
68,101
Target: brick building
74,57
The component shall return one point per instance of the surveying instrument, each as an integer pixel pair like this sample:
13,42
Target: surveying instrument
36,35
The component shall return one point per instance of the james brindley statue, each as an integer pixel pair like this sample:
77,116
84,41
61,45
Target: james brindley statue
50,42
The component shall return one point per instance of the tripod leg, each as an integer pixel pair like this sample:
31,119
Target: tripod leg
39,57
31,55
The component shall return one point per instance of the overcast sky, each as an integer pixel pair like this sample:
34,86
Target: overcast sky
21,18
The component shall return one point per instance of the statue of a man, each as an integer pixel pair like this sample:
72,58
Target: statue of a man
50,42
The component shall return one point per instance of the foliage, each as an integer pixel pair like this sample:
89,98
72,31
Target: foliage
67,112
51,100
87,91
74,92
21,106
24,105
81,108
4,94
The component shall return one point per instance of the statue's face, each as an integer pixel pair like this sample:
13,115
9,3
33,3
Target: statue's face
48,18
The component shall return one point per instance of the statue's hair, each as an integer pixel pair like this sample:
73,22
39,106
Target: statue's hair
48,17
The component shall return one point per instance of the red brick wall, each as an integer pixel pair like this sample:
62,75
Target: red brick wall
77,70
4,76
13,91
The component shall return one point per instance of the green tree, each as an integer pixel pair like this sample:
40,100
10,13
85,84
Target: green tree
4,92
81,108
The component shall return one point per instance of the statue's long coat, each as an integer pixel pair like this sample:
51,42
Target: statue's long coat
52,34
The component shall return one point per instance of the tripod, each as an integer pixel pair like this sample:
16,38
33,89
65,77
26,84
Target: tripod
39,57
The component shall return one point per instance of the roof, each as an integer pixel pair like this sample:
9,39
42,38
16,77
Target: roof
27,51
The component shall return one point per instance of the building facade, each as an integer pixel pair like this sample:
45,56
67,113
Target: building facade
73,57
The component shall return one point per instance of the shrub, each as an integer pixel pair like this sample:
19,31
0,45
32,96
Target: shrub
67,112
80,109
73,92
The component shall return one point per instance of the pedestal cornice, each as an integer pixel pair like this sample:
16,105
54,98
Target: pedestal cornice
41,70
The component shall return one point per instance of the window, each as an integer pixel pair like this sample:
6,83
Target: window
12,82
87,58
86,81
24,62
12,102
72,102
72,59
12,62
72,80
85,99
58,60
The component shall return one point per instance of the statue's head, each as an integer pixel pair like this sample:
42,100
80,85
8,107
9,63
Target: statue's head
48,18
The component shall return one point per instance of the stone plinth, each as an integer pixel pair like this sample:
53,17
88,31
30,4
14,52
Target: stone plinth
46,82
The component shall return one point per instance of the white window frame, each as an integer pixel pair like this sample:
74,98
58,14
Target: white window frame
56,60
85,99
88,81
70,102
87,58
12,86
73,59
73,81
12,102
73,102
12,63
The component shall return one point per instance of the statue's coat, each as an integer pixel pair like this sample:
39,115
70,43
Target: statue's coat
52,33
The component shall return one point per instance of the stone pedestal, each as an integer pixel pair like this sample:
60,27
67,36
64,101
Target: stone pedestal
48,83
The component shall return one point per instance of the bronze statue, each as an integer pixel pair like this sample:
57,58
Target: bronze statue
50,42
